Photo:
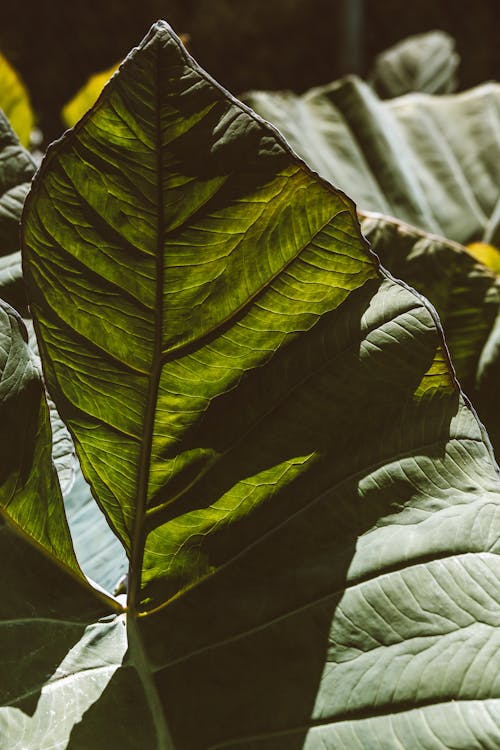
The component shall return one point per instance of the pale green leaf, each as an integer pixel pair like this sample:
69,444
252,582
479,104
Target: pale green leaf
424,62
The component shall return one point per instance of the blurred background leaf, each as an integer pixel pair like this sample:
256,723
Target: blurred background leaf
423,62
292,44
15,103
86,96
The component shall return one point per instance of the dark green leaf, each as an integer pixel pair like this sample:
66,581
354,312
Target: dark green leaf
56,657
16,172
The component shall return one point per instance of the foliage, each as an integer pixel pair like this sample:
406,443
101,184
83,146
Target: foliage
272,428
14,101
424,62
464,292
394,159
86,96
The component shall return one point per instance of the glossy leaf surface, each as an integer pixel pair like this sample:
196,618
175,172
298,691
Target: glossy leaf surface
431,161
272,428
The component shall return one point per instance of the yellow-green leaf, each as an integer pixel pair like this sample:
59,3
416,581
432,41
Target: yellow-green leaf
487,254
86,96
14,101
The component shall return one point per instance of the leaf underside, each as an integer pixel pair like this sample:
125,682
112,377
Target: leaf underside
271,427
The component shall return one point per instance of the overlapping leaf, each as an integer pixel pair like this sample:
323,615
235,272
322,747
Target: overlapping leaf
465,293
57,656
431,161
16,172
272,428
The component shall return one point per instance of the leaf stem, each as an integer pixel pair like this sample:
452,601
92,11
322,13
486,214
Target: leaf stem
138,536
140,661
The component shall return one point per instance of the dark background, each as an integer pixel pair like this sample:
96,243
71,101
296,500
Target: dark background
269,44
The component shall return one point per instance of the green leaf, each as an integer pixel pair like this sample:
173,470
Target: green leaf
431,161
465,293
86,96
14,101
424,62
16,172
61,641
28,473
271,426
488,377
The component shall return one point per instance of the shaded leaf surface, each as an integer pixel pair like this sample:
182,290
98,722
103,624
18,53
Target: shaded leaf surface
56,654
424,62
430,161
271,427
16,172
465,293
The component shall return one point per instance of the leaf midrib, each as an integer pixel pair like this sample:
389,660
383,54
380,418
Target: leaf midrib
139,529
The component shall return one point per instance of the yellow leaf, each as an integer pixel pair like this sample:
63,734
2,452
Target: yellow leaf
14,101
86,96
488,255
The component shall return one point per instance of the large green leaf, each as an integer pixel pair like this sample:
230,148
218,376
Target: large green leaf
465,293
14,101
424,62
432,161
16,171
271,427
